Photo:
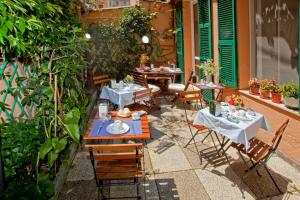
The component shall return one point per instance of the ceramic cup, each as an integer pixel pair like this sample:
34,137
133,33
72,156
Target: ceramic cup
117,125
135,116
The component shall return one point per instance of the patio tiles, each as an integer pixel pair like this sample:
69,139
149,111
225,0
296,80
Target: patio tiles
183,185
81,168
167,156
222,183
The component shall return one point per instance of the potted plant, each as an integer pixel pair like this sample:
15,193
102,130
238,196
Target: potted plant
209,69
128,79
253,86
236,101
265,87
290,95
144,60
276,93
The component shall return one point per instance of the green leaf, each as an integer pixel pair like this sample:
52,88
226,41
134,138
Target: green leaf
72,117
73,132
48,92
45,185
45,148
59,144
52,157
45,69
21,25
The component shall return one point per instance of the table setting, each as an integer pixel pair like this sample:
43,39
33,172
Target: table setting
234,122
122,122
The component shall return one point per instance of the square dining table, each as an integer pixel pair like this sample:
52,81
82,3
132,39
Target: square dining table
138,129
121,96
237,131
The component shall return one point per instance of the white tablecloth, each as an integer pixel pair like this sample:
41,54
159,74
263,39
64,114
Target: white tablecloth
120,97
240,132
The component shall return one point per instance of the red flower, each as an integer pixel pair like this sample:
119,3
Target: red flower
231,101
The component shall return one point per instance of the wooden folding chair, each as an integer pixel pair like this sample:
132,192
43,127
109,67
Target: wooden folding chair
101,80
142,100
186,97
140,79
121,162
260,152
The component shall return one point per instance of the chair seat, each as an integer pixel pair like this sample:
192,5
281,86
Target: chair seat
124,169
198,127
257,150
154,88
180,87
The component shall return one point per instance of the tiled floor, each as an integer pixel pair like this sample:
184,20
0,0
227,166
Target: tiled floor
175,172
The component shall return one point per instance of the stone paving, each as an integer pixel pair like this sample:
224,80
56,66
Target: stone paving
175,172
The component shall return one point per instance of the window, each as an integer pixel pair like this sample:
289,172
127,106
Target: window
93,5
275,39
119,3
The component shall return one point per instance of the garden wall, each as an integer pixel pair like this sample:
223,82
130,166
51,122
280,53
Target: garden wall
163,24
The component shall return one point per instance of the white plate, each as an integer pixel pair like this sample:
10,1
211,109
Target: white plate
113,131
124,115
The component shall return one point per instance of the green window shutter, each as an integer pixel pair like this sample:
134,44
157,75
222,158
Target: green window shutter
179,38
227,40
204,33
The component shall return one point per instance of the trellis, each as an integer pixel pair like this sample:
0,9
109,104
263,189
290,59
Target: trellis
9,72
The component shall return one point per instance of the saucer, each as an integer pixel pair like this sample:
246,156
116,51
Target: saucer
110,129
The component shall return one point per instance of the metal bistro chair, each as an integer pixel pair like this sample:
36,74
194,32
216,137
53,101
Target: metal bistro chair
121,162
186,97
260,152
176,88
142,100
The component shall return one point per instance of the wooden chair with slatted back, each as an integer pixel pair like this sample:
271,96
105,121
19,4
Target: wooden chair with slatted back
186,97
121,162
142,100
101,80
141,79
260,152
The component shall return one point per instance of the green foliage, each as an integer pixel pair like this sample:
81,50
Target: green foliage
47,36
20,142
19,146
116,48
290,90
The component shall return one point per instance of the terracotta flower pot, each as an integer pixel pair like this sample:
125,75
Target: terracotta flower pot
265,94
254,90
276,97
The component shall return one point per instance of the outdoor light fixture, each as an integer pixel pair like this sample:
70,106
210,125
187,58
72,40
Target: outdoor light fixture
87,36
145,39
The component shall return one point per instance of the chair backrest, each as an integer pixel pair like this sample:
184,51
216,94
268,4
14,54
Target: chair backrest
142,95
278,135
189,81
186,97
140,79
111,152
101,80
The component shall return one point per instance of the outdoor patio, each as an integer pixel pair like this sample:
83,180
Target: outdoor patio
174,172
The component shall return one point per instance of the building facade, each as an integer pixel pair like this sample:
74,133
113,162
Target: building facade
247,39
